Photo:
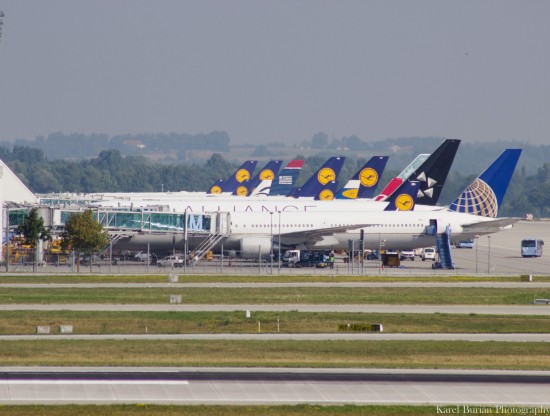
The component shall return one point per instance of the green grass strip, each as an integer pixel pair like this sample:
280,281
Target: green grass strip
247,278
314,354
158,410
292,295
98,322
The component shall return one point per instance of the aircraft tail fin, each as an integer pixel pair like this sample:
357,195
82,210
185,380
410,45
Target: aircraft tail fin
12,189
405,199
324,176
485,194
284,182
404,175
432,174
363,184
242,174
267,173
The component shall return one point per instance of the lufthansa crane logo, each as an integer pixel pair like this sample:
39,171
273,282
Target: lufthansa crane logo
350,193
404,202
267,175
242,175
326,195
368,177
242,191
326,175
215,190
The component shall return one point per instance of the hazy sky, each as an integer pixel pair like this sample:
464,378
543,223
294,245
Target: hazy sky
277,70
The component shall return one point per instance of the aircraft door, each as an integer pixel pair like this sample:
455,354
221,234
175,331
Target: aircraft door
432,228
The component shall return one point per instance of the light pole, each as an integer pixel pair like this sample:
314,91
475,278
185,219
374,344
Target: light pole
477,237
489,256
279,260
271,239
185,248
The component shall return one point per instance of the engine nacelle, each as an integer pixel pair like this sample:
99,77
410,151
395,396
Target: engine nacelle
254,247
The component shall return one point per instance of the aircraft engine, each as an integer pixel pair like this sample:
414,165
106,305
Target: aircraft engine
253,247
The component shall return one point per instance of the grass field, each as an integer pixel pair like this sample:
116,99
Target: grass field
25,322
155,410
312,354
244,278
278,295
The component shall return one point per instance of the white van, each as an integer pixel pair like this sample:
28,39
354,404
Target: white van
428,254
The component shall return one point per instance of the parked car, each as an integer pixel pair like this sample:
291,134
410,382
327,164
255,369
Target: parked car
143,257
428,254
406,254
170,261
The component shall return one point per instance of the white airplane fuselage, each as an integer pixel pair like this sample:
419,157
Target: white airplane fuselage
254,233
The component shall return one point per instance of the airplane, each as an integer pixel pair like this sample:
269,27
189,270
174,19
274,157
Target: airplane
242,174
253,232
321,183
435,168
318,184
282,184
267,173
432,174
403,176
473,213
363,184
314,195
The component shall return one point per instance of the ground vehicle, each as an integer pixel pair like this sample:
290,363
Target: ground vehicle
465,243
306,258
390,258
143,257
406,254
531,247
170,261
428,254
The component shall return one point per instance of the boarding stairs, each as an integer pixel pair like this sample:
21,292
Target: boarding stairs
221,231
443,242
113,239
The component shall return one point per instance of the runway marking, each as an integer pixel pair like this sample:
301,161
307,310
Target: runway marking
95,382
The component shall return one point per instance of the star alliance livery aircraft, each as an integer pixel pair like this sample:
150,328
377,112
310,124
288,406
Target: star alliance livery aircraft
331,224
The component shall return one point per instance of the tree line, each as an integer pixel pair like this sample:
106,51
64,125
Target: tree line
112,172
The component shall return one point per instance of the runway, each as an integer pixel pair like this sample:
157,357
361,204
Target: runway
274,386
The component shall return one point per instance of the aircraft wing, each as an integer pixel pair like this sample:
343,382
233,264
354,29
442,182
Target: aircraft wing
319,234
487,227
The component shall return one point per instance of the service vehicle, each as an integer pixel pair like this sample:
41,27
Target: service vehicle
531,247
306,258
465,243
428,254
171,261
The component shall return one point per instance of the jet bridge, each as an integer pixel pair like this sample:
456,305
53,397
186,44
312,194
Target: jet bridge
160,229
